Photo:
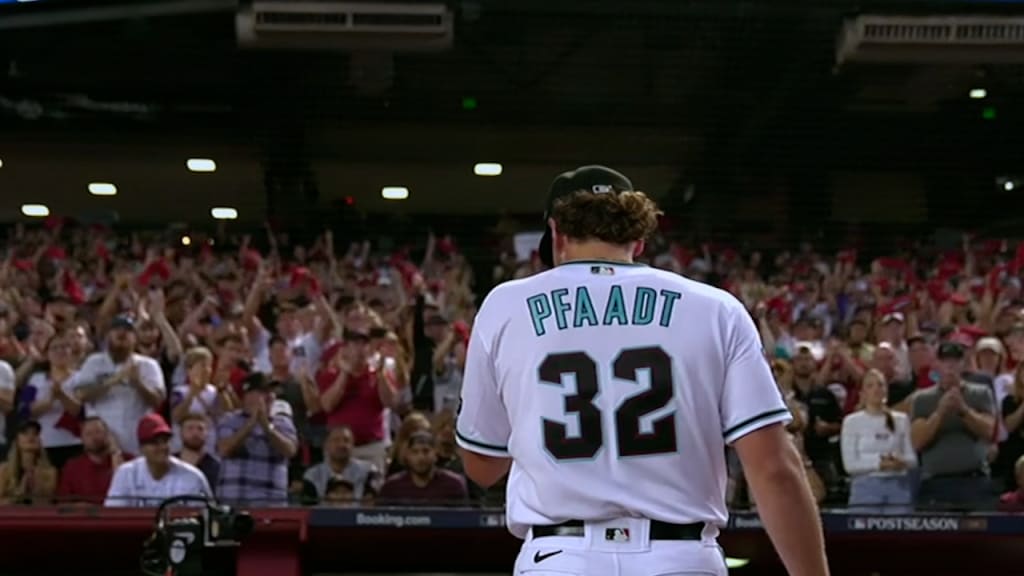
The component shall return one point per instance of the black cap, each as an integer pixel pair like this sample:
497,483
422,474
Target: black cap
350,335
596,179
256,382
29,424
123,322
950,350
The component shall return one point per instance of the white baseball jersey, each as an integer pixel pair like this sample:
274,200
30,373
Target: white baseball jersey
614,388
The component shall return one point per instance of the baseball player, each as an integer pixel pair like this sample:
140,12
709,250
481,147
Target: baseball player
608,391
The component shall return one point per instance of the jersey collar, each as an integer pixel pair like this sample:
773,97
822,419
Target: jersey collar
592,262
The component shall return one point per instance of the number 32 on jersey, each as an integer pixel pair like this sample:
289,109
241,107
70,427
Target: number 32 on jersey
631,441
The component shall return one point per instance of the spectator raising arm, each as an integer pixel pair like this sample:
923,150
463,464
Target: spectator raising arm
171,341
229,446
148,384
389,397
333,395
280,442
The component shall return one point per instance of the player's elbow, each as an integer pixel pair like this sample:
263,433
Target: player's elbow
484,471
768,454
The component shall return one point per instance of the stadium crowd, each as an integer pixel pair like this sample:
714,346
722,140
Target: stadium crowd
291,374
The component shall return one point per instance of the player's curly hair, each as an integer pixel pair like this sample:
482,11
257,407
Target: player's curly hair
613,218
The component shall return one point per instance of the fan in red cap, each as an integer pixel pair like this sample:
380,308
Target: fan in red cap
157,476
151,428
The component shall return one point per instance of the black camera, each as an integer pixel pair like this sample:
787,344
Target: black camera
177,544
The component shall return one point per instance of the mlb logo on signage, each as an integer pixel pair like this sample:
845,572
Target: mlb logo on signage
858,524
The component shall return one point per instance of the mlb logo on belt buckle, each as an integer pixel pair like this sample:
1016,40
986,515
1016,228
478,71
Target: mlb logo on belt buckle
617,534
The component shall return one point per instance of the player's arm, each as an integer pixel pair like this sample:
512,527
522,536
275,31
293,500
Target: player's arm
775,474
754,416
482,430
485,471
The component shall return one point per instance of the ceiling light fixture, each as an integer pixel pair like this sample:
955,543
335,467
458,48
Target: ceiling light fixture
488,169
394,192
201,165
223,213
35,210
102,189
978,93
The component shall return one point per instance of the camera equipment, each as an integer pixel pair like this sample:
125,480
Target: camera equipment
177,544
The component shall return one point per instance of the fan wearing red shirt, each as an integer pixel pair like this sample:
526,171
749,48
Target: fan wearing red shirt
423,481
86,478
356,393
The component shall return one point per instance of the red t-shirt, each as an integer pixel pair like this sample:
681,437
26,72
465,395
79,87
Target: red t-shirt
83,479
360,407
923,378
444,487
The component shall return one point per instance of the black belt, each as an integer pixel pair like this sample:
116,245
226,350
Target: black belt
659,530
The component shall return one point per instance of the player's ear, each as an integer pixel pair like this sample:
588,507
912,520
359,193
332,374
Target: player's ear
639,248
557,242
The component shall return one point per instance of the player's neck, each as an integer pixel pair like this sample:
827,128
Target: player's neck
592,250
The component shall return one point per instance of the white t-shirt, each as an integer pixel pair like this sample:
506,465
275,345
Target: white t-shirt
615,389
50,435
865,438
305,348
122,406
1002,387
134,487
6,383
204,403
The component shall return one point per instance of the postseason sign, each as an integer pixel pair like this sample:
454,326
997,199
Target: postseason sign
845,522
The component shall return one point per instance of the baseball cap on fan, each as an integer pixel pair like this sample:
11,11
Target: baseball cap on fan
594,179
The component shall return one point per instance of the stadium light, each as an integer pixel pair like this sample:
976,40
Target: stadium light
979,93
35,210
186,241
1,163
102,189
201,165
394,192
1009,185
223,213
488,169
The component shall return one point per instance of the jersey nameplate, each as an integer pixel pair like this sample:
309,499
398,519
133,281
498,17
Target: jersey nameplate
639,306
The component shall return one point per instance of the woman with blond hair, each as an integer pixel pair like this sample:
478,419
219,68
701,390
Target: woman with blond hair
877,452
27,477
